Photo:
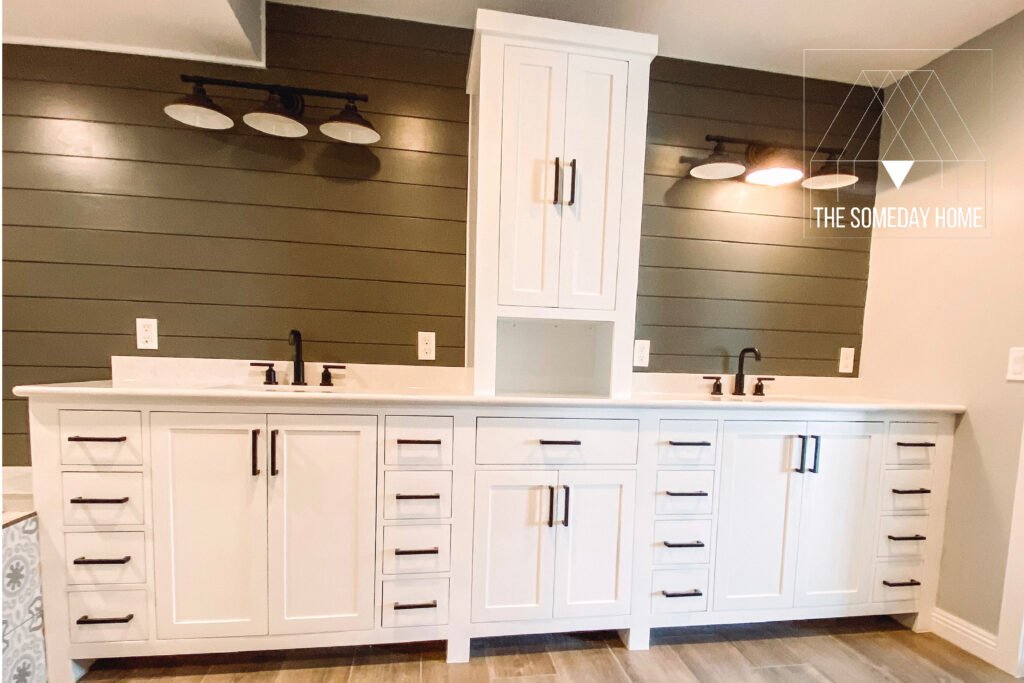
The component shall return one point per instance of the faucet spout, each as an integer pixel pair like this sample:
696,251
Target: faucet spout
738,388
299,371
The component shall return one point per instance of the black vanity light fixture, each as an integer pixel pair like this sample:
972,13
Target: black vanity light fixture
768,163
279,115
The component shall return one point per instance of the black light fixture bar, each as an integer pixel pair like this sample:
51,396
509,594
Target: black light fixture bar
763,143
275,88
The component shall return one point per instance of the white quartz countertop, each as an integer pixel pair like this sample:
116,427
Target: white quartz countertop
315,394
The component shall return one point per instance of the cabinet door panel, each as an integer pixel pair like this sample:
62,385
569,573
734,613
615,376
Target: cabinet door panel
322,507
594,553
209,525
840,504
513,546
595,131
759,515
532,136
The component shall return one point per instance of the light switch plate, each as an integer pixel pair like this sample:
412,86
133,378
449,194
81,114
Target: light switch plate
1015,369
145,333
425,343
846,356
641,353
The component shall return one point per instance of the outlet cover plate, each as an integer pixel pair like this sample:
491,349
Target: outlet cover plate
425,344
846,356
1015,368
145,333
641,353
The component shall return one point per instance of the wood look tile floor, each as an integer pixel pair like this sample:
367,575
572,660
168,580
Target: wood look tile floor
840,650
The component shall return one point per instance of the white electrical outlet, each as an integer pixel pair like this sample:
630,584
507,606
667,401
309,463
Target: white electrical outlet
1015,369
641,353
846,355
425,344
145,333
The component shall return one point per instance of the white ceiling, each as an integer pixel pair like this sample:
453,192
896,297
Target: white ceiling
757,34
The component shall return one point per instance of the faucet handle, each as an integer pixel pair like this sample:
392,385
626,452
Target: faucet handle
759,387
326,379
716,388
271,377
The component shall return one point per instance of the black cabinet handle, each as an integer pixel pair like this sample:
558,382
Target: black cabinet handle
78,500
98,439
691,544
803,454
103,560
255,452
904,492
560,442
273,453
419,551
551,506
901,584
817,453
689,443
419,442
416,605
565,517
694,494
684,594
417,496
915,444
86,620
572,183
558,178
915,537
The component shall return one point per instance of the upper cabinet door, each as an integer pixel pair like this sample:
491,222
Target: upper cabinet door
322,479
532,176
595,128
210,524
840,504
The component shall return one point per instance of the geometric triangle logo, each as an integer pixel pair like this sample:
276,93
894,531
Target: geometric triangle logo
897,170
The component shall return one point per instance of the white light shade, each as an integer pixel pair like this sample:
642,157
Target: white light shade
349,126
199,111
273,123
717,170
829,181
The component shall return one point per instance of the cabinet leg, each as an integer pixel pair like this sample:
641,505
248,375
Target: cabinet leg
636,638
80,667
458,650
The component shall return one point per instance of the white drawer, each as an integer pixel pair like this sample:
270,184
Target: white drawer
100,437
555,441
687,442
417,495
418,440
121,615
418,549
685,492
414,602
96,557
898,580
902,536
682,541
679,590
911,443
100,498
906,490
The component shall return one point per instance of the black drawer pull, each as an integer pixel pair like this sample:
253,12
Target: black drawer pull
99,501
419,442
87,620
103,560
915,537
691,544
558,442
915,444
686,594
416,605
98,439
696,494
904,492
901,584
417,496
689,443
423,551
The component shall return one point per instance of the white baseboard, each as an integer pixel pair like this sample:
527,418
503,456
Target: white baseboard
966,636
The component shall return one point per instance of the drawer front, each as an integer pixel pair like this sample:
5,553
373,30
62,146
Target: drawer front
100,437
417,549
105,557
683,492
687,442
417,495
554,441
418,440
906,490
414,602
682,541
902,536
100,498
912,443
899,573
679,590
116,606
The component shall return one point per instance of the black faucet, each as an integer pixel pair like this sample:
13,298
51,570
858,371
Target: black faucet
299,373
737,387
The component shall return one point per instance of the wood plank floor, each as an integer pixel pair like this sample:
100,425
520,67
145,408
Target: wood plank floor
840,650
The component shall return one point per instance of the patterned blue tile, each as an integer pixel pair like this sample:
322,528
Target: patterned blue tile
24,656
20,577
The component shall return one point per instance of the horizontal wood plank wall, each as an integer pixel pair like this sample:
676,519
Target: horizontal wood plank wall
725,264
113,211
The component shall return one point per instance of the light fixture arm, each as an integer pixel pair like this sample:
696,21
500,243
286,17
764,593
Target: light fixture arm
284,91
724,139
